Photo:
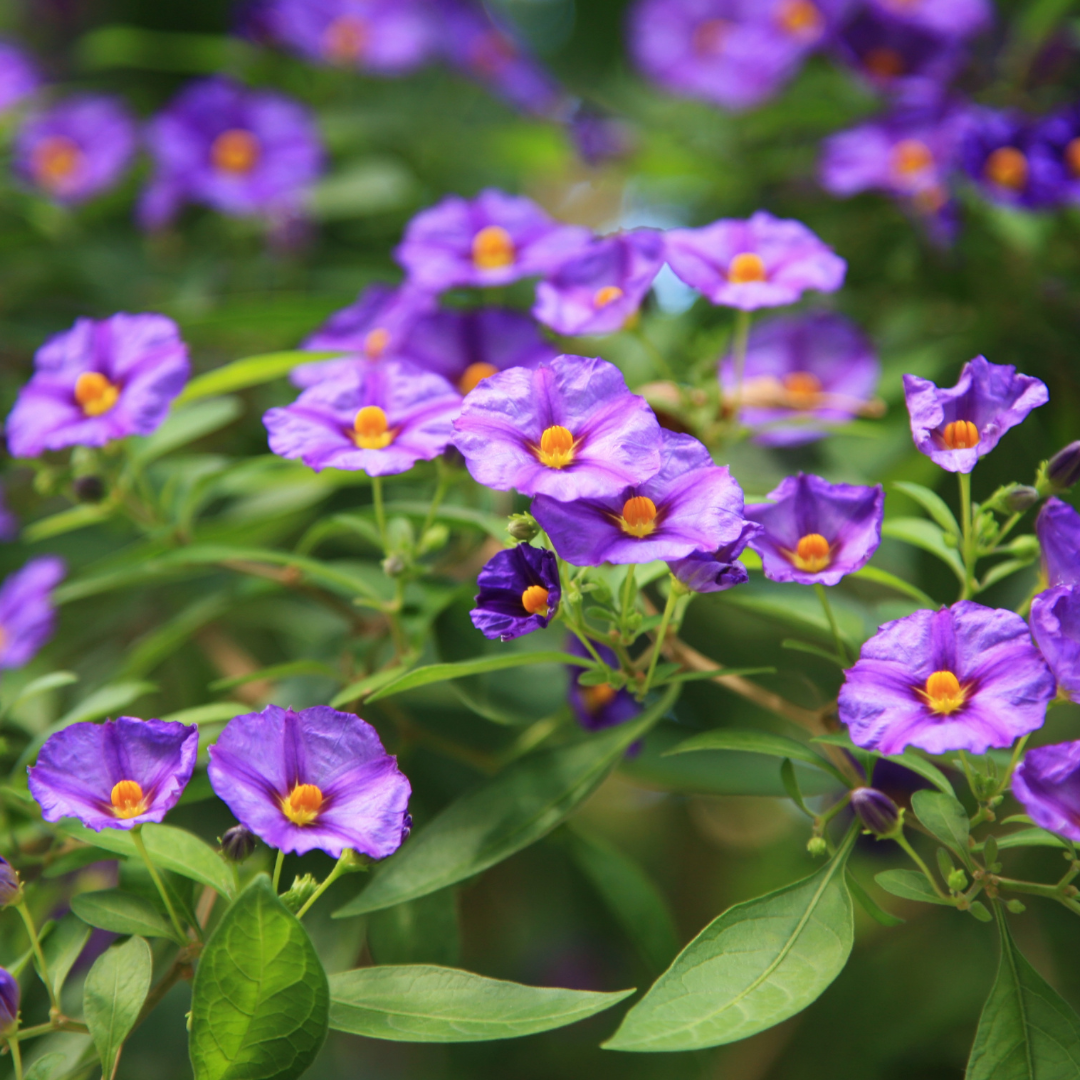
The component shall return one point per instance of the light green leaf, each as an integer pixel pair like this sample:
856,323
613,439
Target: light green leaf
158,50
114,992
424,1003
911,759
251,371
121,912
926,535
910,885
754,966
945,817
76,517
62,949
932,503
184,425
35,688
869,904
883,577
47,1067
104,702
260,999
756,742
1035,837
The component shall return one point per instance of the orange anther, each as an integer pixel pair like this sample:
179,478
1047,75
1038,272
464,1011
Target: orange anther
235,151
607,295
960,435
492,248
375,342
556,448
345,40
943,693
1007,167
371,431
302,805
95,393
127,799
54,160
474,375
535,600
745,267
638,516
812,554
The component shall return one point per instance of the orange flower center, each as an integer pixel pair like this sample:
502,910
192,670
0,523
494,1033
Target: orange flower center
799,17
556,448
960,435
375,342
884,63
1072,156
812,553
708,37
474,375
596,697
535,600
127,799
302,805
1007,167
746,267
943,693
235,151
95,394
638,516
54,160
492,248
607,295
371,430
930,200
345,39
803,389
911,156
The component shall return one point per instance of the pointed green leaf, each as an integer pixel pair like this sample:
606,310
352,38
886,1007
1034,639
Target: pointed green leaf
756,742
251,371
869,904
910,759
910,885
36,687
114,992
932,503
926,535
47,1067
121,912
898,584
184,425
945,817
1034,837
67,940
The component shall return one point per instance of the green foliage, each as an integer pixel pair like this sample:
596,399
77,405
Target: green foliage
945,817
121,913
113,996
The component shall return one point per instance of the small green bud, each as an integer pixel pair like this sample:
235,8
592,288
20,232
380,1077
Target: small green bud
301,891
394,565
357,860
990,850
1015,907
957,880
980,911
816,846
1025,547
523,527
434,538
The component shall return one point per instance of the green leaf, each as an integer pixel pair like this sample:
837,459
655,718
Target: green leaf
75,517
1002,571
184,425
869,904
1035,837
813,650
157,50
910,759
113,994
362,687
251,371
277,671
260,999
932,503
1026,1031
756,742
515,809
47,1067
456,515
926,535
757,964
421,931
883,577
62,949
945,817
36,687
910,885
791,786
121,912
423,1003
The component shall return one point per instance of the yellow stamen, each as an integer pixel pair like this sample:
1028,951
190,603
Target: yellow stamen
596,697
883,62
345,39
746,267
812,554
960,435
799,17
474,375
371,431
1007,167
235,151
127,799
535,600
492,248
638,516
302,805
95,393
943,693
54,160
607,295
556,448
375,342
910,156
803,389
1072,156
708,37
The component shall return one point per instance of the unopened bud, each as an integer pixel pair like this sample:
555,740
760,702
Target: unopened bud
523,527
394,565
89,489
237,844
406,827
301,891
816,846
9,1001
957,880
10,886
875,810
1019,498
1063,469
1015,907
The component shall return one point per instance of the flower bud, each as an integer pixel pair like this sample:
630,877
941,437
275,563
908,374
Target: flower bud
957,880
1020,497
300,892
1064,468
406,827
237,844
523,527
9,1001
875,810
10,886
89,489
816,846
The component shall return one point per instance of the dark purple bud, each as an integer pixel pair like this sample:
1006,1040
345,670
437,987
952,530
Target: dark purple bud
1021,498
238,843
89,489
9,1001
10,885
876,810
406,827
1064,468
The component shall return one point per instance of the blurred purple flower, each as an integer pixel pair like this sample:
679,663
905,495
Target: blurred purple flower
1008,157
1058,530
27,614
314,780
1055,625
948,18
600,706
1047,783
761,262
962,678
956,427
77,149
99,381
115,775
519,592
10,886
598,137
9,523
19,76
10,997
715,571
1058,137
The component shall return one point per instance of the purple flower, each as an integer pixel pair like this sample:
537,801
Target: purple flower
10,886
9,523
99,381
10,995
1058,530
1058,138
602,286
115,775
762,262
1047,783
948,18
956,427
1055,625
519,592
816,532
313,780
962,678
76,149
491,240
380,37
598,137
599,706
569,429
689,505
801,368
381,420
239,151
466,347
1009,159
19,77
27,615
715,571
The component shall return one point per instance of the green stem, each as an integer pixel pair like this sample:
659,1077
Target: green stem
141,848
741,338
16,1056
340,867
627,599
584,639
1005,530
278,863
661,633
1018,750
35,944
841,648
437,498
655,355
914,856
380,513
966,524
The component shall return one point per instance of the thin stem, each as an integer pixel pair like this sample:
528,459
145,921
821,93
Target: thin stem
1006,529
141,848
661,633
966,524
742,337
1018,751
278,863
35,944
340,867
914,856
437,498
16,1056
380,513
841,648
627,598
584,639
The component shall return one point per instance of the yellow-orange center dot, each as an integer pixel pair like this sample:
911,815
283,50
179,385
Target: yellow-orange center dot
607,295
55,160
910,156
235,151
302,805
371,431
346,39
1007,167
708,37
95,394
746,267
535,600
638,516
812,554
943,693
596,697
492,248
799,17
883,63
375,342
127,799
556,448
960,435
474,375
1072,156
803,389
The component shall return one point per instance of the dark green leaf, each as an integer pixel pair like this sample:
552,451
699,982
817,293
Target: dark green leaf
121,912
912,760
945,817
1034,837
113,994
251,371
883,577
910,885
932,503
62,949
370,683
926,535
756,742
277,671
1001,571
869,904
791,786
421,931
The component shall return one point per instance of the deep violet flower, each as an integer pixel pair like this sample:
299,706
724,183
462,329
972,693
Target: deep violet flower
1058,530
311,780
99,381
691,504
599,137
490,240
19,77
1058,137
10,997
77,149
1047,783
875,810
239,151
1063,469
956,427
115,775
10,886
519,592
1055,625
601,706
382,419
816,532
715,571
800,369
569,429
27,615
1008,158
949,18
602,286
761,262
962,678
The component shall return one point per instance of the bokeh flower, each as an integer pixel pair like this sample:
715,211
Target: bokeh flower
1047,783
1058,530
815,532
715,571
949,18
957,426
10,996
10,886
99,381
116,775
27,614
519,592
962,678
1055,625
1058,138
603,705
1007,157
311,780
19,76
569,429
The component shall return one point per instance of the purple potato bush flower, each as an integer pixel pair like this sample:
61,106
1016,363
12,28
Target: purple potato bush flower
239,151
1058,530
1009,159
1055,625
19,76
10,997
27,614
816,533
948,18
493,239
313,780
1047,783
382,419
97,382
569,429
690,505
601,706
957,426
761,262
962,678
799,369
116,775
1058,138
77,149
599,137
519,592
602,286
10,885
715,571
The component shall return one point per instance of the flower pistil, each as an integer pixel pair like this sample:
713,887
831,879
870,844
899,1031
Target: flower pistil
607,295
812,554
95,393
943,693
235,151
1007,167
302,805
960,435
474,375
346,39
371,430
55,159
128,799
